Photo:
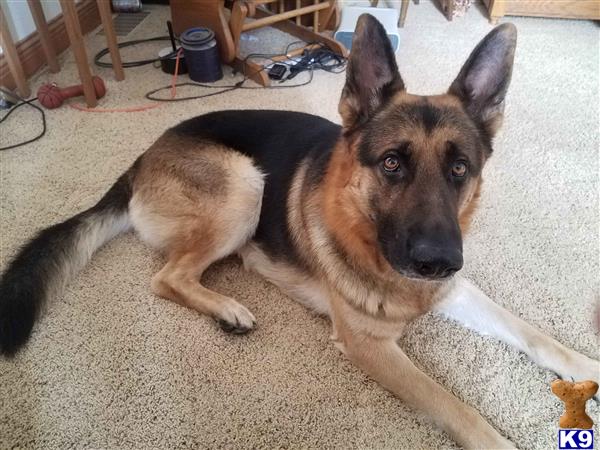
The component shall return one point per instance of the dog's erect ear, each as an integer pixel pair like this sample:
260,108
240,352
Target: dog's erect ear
483,81
372,75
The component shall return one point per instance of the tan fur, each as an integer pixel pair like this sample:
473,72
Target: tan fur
346,214
200,201
337,240
197,201
469,206
189,200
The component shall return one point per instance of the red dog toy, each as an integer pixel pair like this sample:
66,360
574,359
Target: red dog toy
51,96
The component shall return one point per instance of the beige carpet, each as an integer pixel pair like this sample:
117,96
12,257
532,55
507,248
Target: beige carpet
112,366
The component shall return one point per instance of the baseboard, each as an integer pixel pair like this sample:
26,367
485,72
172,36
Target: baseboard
30,49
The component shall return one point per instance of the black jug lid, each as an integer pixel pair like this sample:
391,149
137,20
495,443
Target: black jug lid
197,36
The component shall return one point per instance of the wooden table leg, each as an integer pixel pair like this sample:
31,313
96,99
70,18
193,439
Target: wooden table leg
12,58
111,38
41,25
76,38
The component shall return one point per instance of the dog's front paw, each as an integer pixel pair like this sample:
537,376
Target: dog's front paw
582,368
235,318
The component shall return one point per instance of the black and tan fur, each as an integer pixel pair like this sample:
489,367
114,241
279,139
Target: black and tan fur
362,222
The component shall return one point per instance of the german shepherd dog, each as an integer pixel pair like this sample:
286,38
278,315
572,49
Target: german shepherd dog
361,222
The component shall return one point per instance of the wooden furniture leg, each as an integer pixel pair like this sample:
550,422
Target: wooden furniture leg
497,10
298,18
331,18
252,70
12,58
111,38
41,25
76,38
403,11
239,12
300,32
187,13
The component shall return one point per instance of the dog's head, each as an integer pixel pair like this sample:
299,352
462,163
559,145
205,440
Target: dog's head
417,160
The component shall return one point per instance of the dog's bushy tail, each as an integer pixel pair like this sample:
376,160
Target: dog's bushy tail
42,268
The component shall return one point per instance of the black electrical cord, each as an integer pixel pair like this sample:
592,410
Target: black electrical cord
314,59
14,108
129,64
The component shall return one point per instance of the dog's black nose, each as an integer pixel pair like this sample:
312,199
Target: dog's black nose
435,262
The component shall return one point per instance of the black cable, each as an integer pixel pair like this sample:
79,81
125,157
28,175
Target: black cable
14,108
129,64
224,88
311,60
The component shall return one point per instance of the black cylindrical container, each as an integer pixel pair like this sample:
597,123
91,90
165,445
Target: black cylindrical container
201,54
168,61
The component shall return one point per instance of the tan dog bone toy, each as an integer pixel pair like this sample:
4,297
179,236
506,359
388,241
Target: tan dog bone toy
575,395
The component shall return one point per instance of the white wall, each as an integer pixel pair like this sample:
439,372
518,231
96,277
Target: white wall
20,22
19,18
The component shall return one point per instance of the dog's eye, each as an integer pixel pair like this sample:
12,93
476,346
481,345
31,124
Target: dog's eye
459,169
391,163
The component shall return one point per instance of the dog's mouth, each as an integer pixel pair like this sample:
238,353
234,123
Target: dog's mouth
411,272
412,275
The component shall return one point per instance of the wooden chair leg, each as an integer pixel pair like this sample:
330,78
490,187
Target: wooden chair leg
12,58
374,3
76,38
496,10
298,18
111,38
251,70
239,11
403,11
331,16
303,33
41,25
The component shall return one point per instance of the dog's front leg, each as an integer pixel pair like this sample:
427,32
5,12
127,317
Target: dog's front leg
383,360
470,306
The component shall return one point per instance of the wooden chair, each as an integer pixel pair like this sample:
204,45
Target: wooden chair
403,10
276,13
73,28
